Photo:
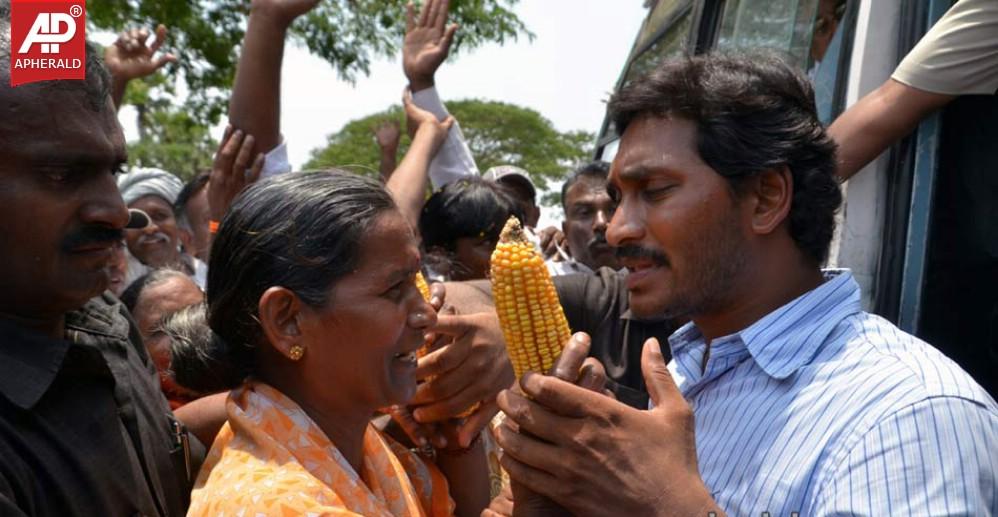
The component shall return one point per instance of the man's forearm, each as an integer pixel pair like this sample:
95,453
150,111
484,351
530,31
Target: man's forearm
879,119
255,106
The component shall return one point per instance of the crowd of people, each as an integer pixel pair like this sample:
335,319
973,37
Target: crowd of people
246,343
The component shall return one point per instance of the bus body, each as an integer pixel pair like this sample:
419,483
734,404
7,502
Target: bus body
919,225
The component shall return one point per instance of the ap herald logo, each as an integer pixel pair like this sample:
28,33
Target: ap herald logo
47,40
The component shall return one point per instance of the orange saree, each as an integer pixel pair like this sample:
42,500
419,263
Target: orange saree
271,459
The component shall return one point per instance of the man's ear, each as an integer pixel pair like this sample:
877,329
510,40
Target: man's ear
186,240
280,310
773,194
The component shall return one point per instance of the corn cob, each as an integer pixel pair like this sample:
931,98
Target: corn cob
424,289
530,314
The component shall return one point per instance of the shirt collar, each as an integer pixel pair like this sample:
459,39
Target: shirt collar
788,338
29,362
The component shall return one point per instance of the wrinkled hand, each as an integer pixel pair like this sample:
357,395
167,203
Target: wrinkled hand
132,57
387,134
472,369
284,11
588,452
235,167
551,239
418,119
427,42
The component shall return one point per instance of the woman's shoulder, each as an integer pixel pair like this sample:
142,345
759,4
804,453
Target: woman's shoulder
242,482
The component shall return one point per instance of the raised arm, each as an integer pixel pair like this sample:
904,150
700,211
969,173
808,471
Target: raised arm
408,183
427,44
255,107
130,57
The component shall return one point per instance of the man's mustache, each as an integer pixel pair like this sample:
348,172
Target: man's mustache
90,235
598,240
634,251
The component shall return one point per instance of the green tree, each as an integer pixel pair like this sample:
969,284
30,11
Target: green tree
498,133
346,33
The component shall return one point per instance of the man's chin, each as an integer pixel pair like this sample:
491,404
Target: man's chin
647,304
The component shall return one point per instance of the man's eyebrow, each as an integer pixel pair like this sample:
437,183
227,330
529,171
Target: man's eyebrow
637,173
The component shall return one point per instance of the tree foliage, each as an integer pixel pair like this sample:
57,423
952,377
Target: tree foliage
206,35
497,133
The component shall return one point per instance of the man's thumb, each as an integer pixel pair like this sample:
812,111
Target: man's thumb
658,381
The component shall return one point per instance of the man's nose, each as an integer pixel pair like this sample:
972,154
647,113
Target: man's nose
601,220
626,225
103,205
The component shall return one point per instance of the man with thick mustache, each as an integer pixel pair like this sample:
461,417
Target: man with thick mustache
588,209
783,397
83,426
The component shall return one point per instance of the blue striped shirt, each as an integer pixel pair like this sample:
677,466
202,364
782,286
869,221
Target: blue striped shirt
822,409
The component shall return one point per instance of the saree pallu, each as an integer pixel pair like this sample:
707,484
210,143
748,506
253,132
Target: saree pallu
270,458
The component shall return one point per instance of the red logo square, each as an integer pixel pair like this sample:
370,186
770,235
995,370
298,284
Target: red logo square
47,40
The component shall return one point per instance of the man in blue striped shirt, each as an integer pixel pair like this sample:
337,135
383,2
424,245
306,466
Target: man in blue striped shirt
783,397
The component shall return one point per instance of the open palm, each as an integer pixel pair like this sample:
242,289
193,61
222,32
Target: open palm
427,40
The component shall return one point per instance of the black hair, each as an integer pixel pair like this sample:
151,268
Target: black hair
130,296
753,113
299,231
191,189
191,343
469,207
599,170
97,85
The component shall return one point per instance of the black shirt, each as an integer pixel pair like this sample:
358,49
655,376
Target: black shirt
596,303
84,428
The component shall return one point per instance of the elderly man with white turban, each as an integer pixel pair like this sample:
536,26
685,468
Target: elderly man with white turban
155,191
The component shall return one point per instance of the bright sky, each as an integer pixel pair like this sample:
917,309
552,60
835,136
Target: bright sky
566,74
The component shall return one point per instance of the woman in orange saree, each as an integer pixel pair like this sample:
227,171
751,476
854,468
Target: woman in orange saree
317,319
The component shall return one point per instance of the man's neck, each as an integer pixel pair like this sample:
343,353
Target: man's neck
771,286
53,326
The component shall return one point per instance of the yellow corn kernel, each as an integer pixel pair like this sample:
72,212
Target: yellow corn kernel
531,317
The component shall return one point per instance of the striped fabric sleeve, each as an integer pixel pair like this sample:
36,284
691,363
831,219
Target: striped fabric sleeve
936,457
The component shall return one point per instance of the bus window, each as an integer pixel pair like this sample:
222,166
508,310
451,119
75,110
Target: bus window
808,32
672,43
661,14
780,25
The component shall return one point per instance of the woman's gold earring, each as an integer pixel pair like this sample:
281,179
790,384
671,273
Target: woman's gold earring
296,352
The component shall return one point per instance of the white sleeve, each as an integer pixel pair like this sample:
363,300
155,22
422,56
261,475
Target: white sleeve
276,161
453,161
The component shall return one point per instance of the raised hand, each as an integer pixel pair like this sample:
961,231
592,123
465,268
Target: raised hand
132,57
418,119
235,168
427,42
387,134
